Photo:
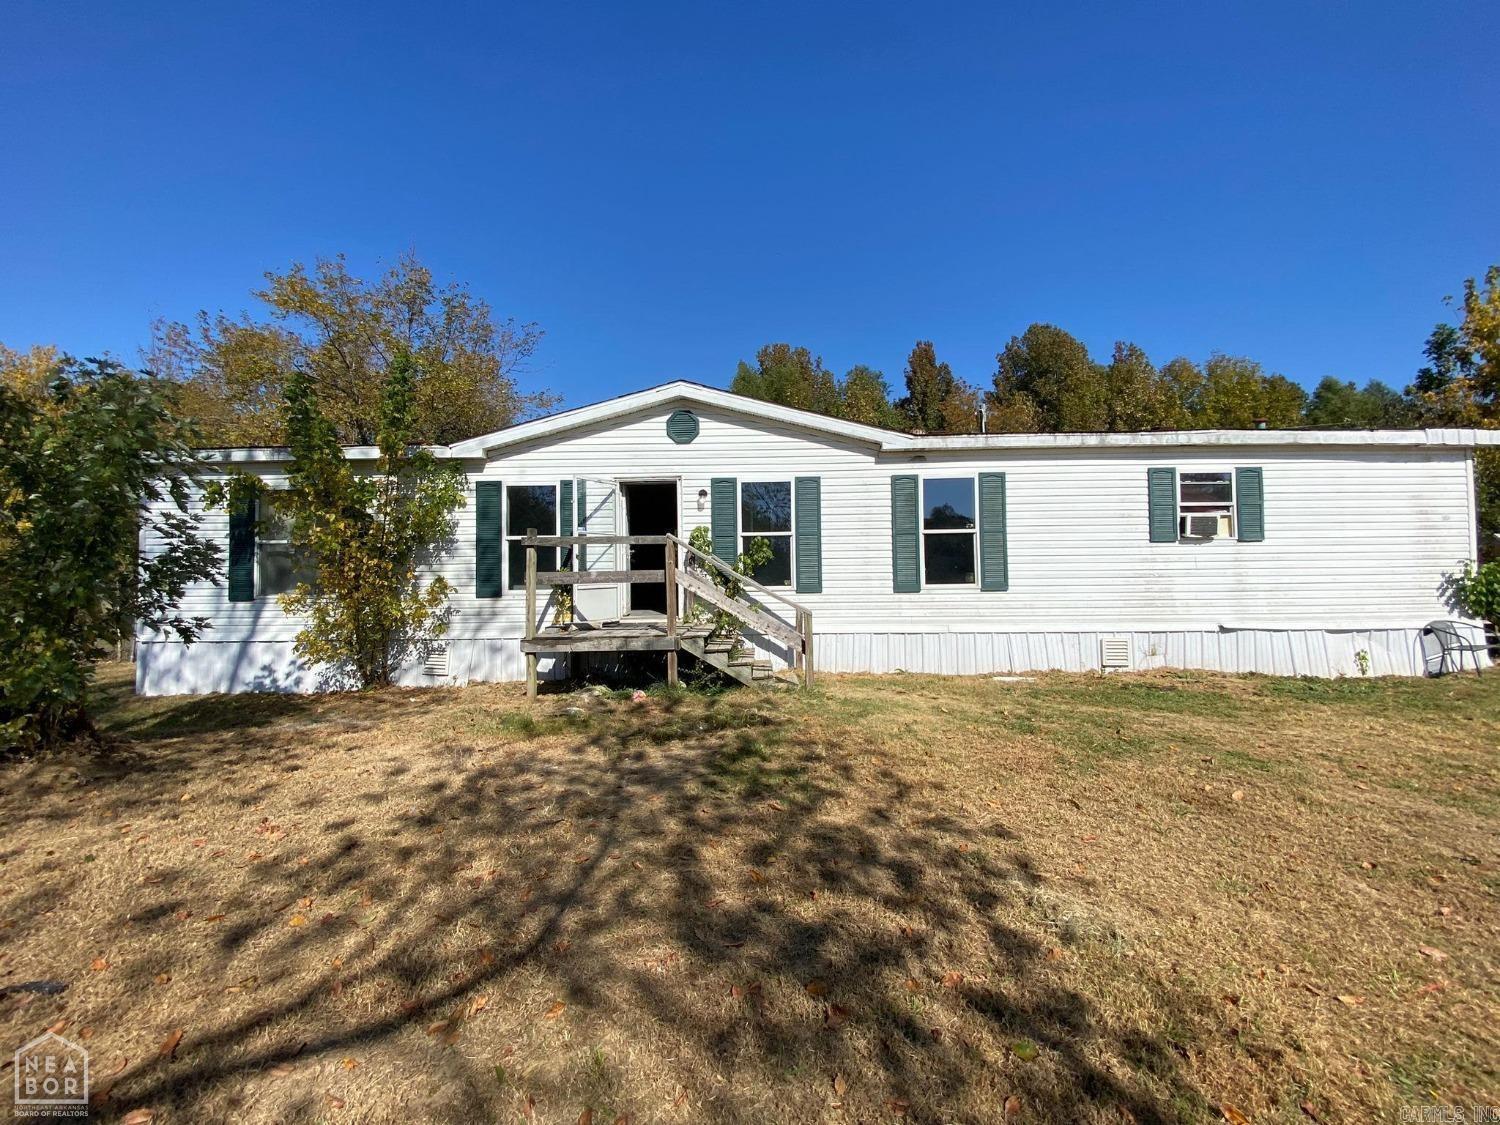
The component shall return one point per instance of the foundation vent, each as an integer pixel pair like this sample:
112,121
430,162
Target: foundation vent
437,661
1114,652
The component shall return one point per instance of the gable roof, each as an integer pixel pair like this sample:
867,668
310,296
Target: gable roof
683,391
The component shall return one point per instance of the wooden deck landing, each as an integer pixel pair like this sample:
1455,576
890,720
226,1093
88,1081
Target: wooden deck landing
643,635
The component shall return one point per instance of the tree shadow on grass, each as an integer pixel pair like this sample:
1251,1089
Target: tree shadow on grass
799,906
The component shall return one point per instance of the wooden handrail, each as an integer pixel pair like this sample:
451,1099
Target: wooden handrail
594,540
744,579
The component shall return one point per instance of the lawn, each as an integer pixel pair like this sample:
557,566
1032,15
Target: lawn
1169,897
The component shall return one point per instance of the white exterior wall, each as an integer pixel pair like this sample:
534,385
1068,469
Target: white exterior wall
1357,542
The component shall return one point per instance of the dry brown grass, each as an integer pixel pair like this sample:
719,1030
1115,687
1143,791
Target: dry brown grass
1127,899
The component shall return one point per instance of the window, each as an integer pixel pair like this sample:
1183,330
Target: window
1205,505
948,530
766,513
529,506
277,568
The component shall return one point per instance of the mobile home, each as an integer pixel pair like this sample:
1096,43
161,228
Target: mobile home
1294,552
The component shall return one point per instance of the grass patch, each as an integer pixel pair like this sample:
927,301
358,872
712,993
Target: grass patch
1112,898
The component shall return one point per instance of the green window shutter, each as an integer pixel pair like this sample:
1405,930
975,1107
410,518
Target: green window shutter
906,536
565,522
723,517
1161,488
489,544
241,569
583,523
808,533
1250,500
994,564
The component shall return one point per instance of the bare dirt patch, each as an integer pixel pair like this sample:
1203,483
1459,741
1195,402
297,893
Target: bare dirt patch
1162,898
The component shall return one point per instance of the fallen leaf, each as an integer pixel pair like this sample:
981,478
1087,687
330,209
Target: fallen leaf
1233,1115
297,920
1053,954
952,979
913,984
835,1016
1237,795
119,1066
350,1064
817,987
214,918
478,1005
98,964
1307,1108
756,876
556,1010
898,1106
1429,951
169,1048
1351,1001
335,1103
586,1117
1024,1049
85,1033
840,1084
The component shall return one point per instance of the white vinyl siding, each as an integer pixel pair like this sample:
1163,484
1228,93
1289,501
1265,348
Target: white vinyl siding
1363,537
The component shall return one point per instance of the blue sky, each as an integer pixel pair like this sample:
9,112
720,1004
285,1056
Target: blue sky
666,187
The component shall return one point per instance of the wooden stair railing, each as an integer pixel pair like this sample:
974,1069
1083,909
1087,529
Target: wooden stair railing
680,580
798,637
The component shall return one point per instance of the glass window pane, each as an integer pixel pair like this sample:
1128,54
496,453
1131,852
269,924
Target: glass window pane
949,559
766,506
777,572
948,503
546,559
1207,488
275,569
531,505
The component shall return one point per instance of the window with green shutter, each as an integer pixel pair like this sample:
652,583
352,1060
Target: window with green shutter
994,562
809,534
1161,491
723,522
906,535
1249,488
240,572
488,540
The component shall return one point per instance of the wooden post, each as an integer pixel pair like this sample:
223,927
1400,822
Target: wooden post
530,611
807,650
671,576
797,660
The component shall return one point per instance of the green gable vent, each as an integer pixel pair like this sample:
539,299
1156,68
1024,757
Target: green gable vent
682,427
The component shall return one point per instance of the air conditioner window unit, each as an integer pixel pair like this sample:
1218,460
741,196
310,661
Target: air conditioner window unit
1200,525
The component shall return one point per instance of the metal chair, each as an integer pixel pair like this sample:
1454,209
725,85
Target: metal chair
1453,641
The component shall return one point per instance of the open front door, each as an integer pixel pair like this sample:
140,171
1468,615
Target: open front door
599,513
650,509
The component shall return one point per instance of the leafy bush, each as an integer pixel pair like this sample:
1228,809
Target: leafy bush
702,539
84,462
1477,592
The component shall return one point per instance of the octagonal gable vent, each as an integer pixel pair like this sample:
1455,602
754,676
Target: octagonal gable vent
682,426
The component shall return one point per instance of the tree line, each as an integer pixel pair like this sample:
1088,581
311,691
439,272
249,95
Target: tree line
1045,381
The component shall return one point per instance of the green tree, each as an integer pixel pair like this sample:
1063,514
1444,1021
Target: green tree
341,334
1461,387
936,402
1336,404
365,534
866,398
1047,383
789,376
1237,394
89,462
